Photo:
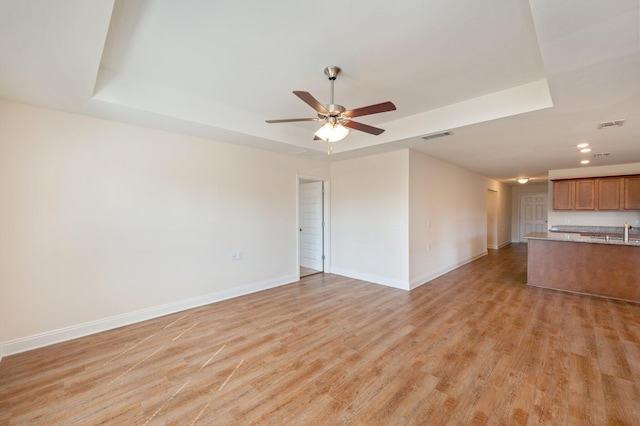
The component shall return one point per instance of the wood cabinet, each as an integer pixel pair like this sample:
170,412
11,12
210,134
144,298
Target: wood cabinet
602,193
631,191
585,194
563,194
587,268
609,193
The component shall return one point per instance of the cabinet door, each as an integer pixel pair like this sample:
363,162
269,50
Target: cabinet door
609,193
563,193
585,194
631,192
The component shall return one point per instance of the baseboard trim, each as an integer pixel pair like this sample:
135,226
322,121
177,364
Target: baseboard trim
426,278
376,279
80,330
504,244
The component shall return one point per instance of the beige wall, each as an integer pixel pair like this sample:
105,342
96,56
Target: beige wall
448,216
103,221
369,218
581,218
404,218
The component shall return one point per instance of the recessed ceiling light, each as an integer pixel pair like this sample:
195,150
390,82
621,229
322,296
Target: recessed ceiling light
585,150
523,180
582,145
585,162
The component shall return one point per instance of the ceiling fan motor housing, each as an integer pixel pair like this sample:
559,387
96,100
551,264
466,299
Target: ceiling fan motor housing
335,110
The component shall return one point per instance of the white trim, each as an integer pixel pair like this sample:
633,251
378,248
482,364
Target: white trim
504,244
425,279
80,330
389,282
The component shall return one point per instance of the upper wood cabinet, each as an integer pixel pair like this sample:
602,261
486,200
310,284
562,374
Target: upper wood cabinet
609,193
602,193
563,194
631,188
585,194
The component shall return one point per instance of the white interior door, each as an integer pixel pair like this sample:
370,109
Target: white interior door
311,230
533,214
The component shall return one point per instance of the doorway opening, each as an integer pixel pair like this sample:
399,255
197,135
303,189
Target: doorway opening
312,225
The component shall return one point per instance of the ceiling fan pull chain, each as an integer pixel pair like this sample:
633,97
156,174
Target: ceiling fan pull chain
330,149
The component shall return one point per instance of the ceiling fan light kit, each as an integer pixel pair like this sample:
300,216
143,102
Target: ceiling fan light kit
330,132
336,117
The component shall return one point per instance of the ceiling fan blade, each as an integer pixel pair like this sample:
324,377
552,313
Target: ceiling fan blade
291,120
371,109
311,101
363,127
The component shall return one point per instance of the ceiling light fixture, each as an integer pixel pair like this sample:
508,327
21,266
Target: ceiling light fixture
585,150
338,120
585,162
332,132
523,180
582,145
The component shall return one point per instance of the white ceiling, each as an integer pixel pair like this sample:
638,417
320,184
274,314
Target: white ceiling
519,83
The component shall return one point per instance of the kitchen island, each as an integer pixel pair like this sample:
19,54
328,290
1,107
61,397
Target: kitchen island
592,265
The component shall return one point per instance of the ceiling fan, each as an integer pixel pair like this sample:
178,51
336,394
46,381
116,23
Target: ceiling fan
338,120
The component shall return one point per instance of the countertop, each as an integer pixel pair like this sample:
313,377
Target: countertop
577,238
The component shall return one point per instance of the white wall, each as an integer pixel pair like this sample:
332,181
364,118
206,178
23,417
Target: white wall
593,218
369,218
448,216
104,223
516,192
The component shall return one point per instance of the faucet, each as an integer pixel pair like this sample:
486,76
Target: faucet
626,232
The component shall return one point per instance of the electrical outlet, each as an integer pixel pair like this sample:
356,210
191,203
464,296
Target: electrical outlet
234,256
239,255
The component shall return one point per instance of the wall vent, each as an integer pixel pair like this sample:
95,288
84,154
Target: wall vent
437,135
601,154
607,124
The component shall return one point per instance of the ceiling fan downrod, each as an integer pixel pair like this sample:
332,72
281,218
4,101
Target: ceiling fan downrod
331,72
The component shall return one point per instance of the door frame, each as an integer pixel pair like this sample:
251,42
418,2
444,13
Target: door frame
326,244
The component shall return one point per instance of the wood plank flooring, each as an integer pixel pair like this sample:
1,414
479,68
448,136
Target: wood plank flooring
308,271
475,346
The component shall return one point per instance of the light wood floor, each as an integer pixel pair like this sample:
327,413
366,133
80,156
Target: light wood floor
475,346
308,271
